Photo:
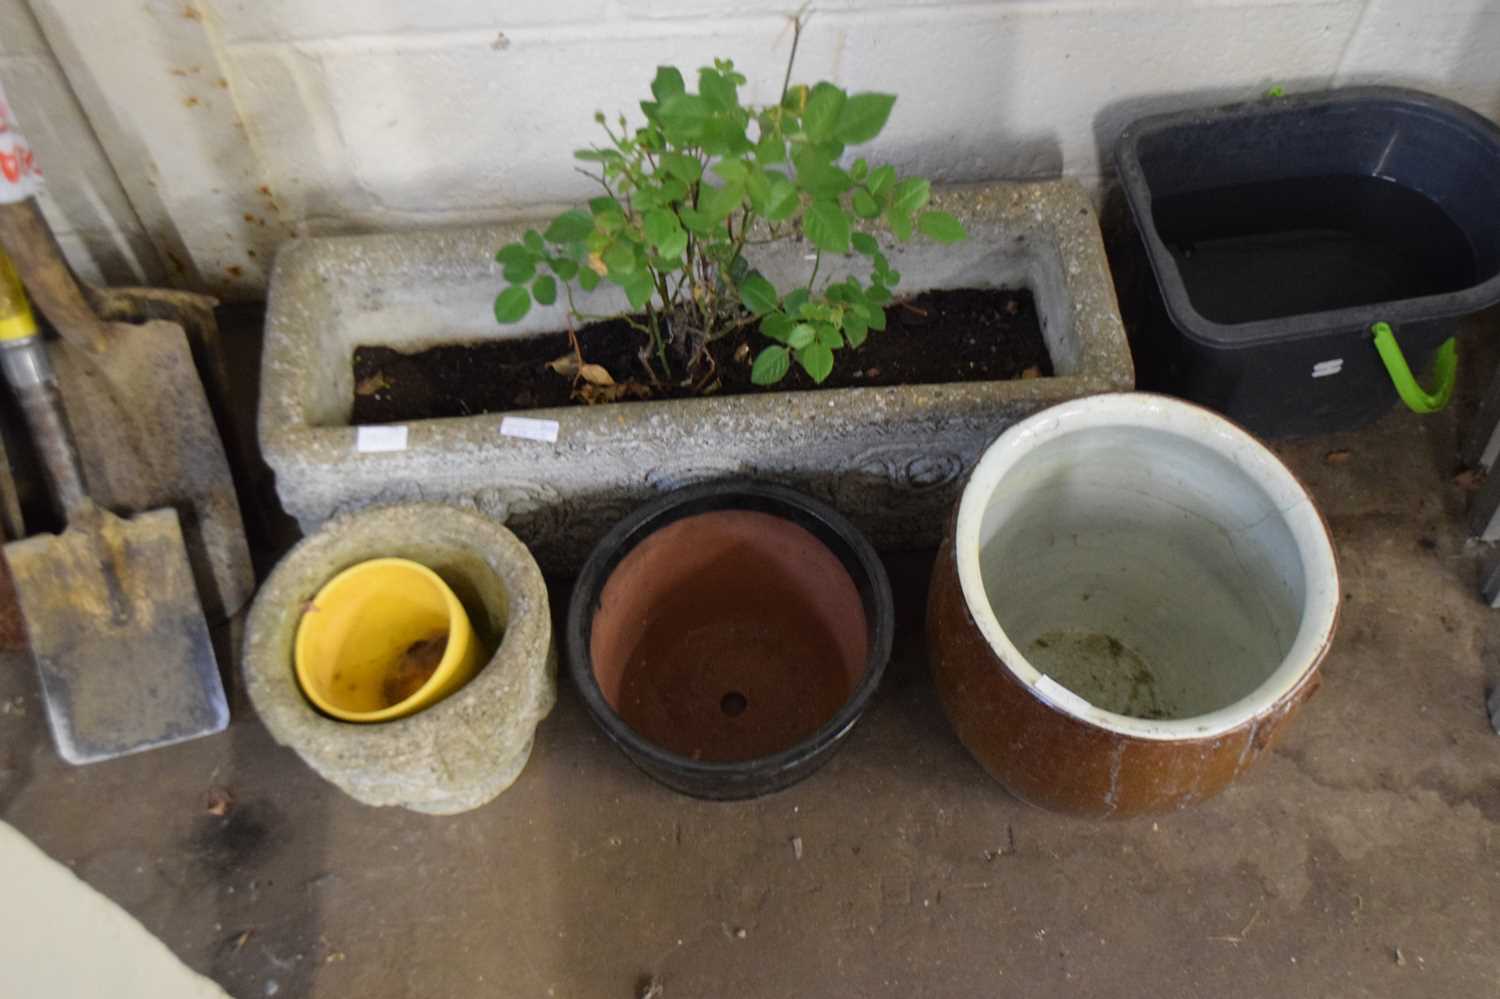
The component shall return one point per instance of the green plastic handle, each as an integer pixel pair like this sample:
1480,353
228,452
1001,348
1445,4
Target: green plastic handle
1444,368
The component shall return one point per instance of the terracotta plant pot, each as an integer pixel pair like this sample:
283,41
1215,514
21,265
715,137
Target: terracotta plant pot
1133,598
728,636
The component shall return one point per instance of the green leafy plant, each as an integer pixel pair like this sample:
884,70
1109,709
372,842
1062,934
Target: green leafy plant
702,179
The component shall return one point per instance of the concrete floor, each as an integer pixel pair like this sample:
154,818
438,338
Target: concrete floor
1361,859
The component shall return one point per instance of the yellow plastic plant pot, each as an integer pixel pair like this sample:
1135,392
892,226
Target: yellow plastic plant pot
382,640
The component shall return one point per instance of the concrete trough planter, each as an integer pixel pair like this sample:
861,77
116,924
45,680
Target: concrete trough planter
891,459
462,751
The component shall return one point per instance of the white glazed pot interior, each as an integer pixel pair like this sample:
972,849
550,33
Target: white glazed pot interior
1146,566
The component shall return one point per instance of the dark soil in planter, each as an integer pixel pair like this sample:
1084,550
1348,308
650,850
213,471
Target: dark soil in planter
729,636
940,336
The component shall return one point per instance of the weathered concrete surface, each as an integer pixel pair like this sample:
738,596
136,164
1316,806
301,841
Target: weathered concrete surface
1374,826
469,747
889,458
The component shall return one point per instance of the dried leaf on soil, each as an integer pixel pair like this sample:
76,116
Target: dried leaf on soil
1031,372
567,365
1339,457
595,374
372,384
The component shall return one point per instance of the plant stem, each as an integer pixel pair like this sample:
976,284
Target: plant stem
817,261
786,81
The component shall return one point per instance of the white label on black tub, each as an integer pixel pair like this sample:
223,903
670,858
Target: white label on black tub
1325,368
532,430
380,439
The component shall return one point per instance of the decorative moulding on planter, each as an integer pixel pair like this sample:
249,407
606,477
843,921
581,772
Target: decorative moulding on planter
890,458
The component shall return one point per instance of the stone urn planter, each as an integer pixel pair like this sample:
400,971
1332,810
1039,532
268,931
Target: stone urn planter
1133,599
890,458
460,752
728,636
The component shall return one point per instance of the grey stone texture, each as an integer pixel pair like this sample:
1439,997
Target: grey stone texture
890,458
462,751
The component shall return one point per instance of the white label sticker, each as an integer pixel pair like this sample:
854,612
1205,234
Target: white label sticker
532,430
20,177
380,439
1325,368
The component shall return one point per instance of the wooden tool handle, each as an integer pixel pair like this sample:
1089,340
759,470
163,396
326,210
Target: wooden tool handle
29,242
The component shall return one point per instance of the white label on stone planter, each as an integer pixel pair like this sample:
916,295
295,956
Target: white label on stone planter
1325,368
532,430
380,439
1062,697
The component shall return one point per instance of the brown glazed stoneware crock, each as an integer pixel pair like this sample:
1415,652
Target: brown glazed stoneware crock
1133,599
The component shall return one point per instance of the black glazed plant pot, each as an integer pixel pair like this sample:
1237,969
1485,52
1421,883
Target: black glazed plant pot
728,636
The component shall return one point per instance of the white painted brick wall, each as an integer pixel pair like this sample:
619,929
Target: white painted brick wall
356,115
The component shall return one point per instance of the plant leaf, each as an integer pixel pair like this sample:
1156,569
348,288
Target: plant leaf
911,195
668,83
830,337
719,202
817,360
817,176
716,89
899,222
864,205
512,304
637,288
865,243
827,226
544,290
758,294
673,246
533,241
519,272
588,278
682,166
801,335
781,203
881,178
777,326
697,221
684,117
771,366
515,253
793,301
857,324
771,149
569,227
660,225
941,226
823,111
862,117
620,259
564,268
595,374
597,155
877,315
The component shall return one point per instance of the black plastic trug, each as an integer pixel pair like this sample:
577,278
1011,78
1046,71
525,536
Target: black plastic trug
1279,232
750,778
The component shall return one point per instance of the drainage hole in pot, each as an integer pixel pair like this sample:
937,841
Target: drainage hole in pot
733,704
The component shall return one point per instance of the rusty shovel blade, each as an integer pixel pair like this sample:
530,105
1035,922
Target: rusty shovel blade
118,635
